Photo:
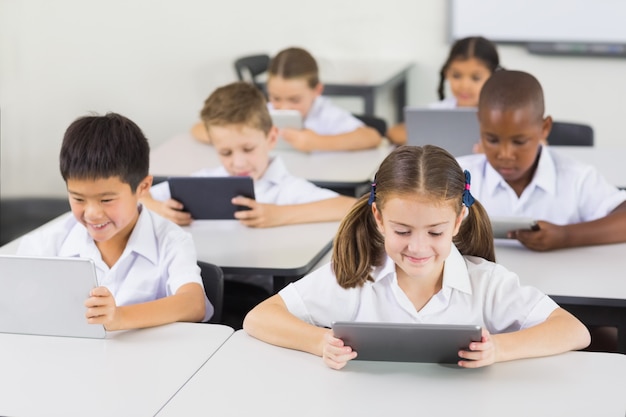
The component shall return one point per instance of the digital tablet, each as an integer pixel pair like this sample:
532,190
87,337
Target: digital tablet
46,296
209,198
282,119
407,342
502,225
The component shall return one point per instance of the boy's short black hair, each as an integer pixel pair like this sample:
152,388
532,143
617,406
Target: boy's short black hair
100,147
511,90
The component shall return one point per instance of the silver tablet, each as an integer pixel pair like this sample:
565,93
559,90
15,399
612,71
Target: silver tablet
406,342
282,119
46,296
210,197
501,226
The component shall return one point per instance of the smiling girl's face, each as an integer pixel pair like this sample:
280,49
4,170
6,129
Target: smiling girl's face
418,234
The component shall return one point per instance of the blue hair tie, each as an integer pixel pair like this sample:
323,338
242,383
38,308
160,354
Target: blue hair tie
372,194
468,199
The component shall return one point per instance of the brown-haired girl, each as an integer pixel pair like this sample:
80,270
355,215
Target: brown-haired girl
470,63
417,249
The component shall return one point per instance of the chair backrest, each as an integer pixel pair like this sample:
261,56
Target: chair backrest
570,134
213,280
377,123
249,67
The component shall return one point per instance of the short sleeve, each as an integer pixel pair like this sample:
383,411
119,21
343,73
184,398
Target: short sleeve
317,298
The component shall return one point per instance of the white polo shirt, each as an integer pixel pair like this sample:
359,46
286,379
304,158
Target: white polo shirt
159,257
326,118
474,291
562,191
276,186
446,103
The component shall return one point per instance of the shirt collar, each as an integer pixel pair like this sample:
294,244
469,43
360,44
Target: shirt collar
141,240
455,275
544,178
276,171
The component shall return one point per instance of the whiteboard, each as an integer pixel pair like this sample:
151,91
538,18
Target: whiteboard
521,21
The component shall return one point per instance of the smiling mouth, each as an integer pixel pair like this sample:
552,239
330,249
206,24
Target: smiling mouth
417,260
98,226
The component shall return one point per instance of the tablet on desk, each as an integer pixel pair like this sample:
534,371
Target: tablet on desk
282,119
210,197
503,225
407,342
46,296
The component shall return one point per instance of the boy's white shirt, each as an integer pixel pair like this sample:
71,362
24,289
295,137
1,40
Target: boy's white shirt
159,257
276,186
562,191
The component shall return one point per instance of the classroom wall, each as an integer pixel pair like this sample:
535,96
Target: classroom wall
156,61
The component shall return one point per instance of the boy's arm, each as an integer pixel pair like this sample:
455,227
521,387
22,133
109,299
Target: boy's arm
187,304
270,215
198,131
606,230
306,140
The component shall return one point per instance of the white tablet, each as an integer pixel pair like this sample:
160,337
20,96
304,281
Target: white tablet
282,119
503,225
210,197
46,296
407,342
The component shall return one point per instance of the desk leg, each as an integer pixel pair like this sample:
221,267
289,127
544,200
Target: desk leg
400,100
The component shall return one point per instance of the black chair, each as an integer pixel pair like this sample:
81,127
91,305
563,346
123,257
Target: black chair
20,215
248,68
377,123
213,280
570,134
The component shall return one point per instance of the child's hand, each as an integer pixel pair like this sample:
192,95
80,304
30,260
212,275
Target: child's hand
334,353
304,140
548,237
172,210
480,354
101,308
259,215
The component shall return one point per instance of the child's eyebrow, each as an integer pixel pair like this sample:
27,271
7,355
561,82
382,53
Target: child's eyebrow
104,194
411,227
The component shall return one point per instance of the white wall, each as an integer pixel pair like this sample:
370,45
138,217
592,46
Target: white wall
156,61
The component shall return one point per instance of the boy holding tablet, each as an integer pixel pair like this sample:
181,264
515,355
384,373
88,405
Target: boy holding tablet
517,176
240,128
146,265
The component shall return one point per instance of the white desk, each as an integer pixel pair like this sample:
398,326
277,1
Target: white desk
248,377
131,373
589,281
609,161
341,170
285,252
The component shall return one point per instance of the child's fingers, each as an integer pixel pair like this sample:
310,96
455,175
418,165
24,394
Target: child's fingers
243,201
174,204
100,292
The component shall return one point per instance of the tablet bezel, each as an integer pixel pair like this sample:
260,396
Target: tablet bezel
502,225
209,198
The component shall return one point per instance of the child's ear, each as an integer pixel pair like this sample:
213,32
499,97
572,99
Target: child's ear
379,218
459,219
319,89
272,137
144,186
546,128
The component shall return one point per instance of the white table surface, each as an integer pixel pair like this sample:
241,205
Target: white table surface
183,155
131,373
249,377
284,250
608,160
585,272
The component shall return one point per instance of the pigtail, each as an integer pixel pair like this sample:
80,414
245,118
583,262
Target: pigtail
358,246
475,237
442,79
